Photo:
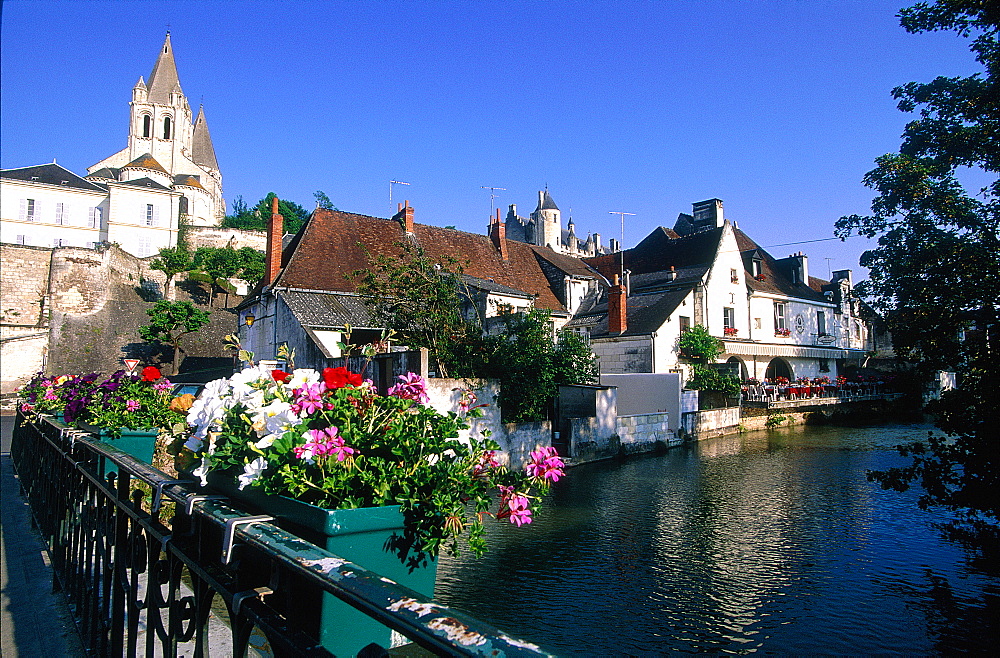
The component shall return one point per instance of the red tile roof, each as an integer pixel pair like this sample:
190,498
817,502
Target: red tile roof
332,244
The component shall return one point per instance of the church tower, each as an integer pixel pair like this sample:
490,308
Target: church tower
166,142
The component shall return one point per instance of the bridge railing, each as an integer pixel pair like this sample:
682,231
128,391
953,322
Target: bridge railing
156,566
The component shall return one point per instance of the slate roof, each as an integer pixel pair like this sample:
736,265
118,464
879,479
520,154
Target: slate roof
659,250
188,180
546,202
107,173
324,310
329,246
52,174
775,280
492,286
646,311
144,182
146,161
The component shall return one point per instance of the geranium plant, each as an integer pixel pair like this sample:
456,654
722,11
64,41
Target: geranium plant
133,401
783,332
39,396
330,439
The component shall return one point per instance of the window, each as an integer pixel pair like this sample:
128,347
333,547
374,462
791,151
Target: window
147,125
94,217
824,365
166,128
821,323
60,213
685,323
758,269
27,210
780,323
20,239
58,242
728,317
152,215
145,247
733,275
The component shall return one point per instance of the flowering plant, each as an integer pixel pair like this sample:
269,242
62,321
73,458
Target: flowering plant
40,396
783,332
330,439
140,402
781,381
730,331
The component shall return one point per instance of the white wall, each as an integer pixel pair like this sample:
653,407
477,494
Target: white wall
647,394
44,231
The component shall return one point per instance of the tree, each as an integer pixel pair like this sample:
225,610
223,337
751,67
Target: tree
418,298
323,201
935,272
530,363
699,346
170,322
252,265
172,261
256,218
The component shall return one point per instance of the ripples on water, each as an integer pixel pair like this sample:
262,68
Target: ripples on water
766,541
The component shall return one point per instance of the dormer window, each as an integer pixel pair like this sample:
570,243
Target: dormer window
166,128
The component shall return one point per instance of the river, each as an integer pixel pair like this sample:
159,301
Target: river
768,541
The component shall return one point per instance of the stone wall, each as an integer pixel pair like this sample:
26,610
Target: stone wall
642,433
24,280
697,425
210,236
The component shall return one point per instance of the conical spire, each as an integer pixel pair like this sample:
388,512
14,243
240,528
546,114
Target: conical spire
163,79
202,149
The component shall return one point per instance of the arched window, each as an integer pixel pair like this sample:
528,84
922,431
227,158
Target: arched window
147,125
166,128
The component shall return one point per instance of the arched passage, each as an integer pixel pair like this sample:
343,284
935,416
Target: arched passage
779,368
736,366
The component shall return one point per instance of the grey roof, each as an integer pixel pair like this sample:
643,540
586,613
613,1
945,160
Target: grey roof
327,310
53,174
163,79
493,286
646,311
110,173
547,203
144,182
202,149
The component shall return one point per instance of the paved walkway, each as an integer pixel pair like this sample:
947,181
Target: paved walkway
34,621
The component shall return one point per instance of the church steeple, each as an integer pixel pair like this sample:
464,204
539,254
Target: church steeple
202,150
163,81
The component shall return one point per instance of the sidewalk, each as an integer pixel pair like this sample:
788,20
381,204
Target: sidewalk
34,621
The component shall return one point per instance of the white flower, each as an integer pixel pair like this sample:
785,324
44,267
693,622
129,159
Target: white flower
252,471
193,444
301,376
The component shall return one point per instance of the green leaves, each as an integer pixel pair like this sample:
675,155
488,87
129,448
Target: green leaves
697,345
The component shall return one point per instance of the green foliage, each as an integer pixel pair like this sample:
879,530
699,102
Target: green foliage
774,420
418,298
704,378
172,261
170,322
323,201
256,218
699,346
131,401
935,272
529,364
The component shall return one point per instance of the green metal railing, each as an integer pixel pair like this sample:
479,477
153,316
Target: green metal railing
158,566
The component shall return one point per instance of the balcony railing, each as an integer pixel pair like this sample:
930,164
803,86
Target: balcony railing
773,393
157,566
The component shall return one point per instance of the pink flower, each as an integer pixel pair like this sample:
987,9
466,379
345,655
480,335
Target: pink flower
323,443
132,405
545,464
309,399
520,510
487,462
411,387
163,386
50,395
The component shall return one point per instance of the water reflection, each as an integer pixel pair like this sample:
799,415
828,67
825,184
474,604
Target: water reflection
769,541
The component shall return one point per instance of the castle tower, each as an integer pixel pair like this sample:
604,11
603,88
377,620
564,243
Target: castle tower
548,222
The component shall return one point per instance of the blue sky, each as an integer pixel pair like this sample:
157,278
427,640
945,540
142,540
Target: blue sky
777,107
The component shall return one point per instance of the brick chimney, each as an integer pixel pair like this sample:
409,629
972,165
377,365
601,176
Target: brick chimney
404,216
617,316
498,234
275,231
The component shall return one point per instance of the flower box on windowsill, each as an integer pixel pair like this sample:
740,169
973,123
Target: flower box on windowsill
730,331
783,333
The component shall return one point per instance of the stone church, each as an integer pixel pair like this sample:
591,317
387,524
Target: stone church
166,175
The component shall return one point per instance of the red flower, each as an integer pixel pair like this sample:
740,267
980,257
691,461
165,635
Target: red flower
340,377
280,376
150,374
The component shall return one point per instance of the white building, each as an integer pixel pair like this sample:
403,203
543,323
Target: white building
137,197
773,318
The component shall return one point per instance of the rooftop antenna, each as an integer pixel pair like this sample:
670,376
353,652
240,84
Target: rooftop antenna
621,247
828,266
493,194
391,183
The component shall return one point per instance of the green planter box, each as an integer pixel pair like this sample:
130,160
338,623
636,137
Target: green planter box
139,443
359,535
